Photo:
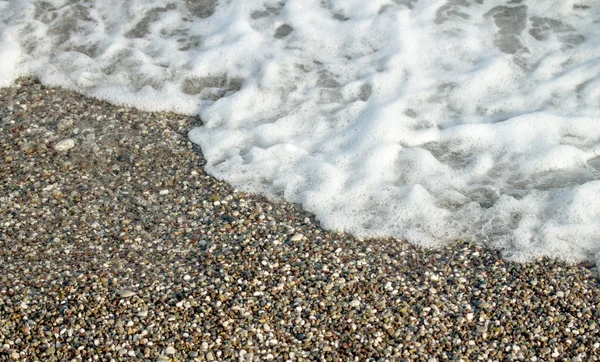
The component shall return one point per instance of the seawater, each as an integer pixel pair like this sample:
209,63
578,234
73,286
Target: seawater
425,120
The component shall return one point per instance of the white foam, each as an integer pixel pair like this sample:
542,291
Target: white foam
430,120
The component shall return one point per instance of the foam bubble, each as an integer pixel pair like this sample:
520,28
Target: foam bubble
426,120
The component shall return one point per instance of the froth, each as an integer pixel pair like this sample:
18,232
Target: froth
426,120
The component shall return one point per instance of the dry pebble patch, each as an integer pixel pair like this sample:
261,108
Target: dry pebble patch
122,248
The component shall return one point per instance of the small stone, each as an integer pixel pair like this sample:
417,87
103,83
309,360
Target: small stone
297,237
126,293
170,350
210,356
142,313
164,192
163,359
64,145
560,294
122,352
187,277
15,355
355,303
193,354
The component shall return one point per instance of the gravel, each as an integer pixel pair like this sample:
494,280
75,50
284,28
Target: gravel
116,245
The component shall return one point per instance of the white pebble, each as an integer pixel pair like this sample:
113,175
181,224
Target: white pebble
126,293
164,192
65,145
555,353
297,237
355,303
187,277
170,350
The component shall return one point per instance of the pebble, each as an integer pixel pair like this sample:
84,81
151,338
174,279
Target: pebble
187,277
170,350
125,293
355,303
64,145
297,237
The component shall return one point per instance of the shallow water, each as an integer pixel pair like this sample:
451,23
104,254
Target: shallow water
427,120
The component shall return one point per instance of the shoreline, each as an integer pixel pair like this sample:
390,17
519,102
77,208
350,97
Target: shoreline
115,244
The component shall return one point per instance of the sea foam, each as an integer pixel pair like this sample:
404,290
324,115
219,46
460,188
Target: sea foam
426,120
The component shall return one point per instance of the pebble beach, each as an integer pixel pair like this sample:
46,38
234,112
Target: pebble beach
115,245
